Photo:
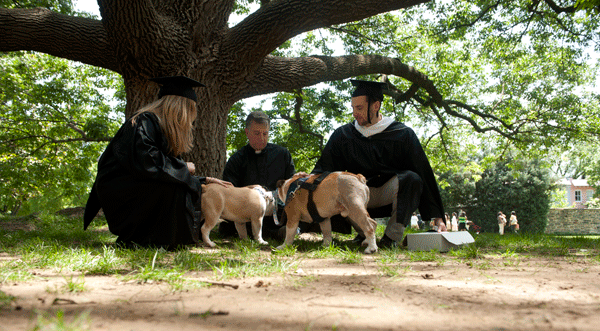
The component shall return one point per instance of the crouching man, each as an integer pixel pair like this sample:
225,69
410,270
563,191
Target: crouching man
390,156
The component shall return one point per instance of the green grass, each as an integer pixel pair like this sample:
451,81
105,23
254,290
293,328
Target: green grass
71,285
5,299
58,244
45,321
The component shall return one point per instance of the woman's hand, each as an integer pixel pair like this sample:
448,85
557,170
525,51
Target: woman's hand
212,180
191,167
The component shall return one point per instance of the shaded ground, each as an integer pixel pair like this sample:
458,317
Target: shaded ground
520,293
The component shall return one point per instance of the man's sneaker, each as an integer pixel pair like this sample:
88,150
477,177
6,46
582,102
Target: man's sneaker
358,240
387,242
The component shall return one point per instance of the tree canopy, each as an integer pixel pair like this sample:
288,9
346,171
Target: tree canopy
52,117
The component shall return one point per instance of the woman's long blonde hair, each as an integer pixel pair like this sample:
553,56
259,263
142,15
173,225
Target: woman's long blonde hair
176,117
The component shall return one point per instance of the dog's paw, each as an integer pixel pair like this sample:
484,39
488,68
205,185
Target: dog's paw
210,244
327,242
371,250
262,242
280,247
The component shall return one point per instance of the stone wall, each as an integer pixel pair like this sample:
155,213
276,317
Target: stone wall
574,221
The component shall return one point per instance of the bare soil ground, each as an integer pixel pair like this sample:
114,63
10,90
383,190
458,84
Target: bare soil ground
525,293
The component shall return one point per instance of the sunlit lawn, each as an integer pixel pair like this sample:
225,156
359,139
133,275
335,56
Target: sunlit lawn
59,244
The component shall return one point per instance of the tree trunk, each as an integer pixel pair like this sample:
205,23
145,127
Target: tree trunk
15,209
209,152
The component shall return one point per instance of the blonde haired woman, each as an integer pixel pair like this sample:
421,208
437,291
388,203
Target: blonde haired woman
148,194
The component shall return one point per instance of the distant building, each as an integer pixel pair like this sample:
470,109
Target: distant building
578,192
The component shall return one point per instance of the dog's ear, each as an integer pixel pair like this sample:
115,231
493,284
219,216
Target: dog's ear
280,183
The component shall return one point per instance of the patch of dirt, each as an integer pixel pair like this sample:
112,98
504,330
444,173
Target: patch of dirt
17,225
524,293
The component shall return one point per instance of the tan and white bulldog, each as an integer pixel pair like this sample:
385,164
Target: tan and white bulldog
237,204
339,193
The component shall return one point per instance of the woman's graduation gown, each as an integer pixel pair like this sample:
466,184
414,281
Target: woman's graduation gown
148,195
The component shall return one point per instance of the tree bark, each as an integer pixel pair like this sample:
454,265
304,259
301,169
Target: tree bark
69,37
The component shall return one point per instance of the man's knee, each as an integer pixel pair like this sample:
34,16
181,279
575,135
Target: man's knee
410,181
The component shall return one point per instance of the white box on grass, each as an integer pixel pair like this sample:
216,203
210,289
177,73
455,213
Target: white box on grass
443,242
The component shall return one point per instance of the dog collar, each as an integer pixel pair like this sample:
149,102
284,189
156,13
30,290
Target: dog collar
262,191
278,201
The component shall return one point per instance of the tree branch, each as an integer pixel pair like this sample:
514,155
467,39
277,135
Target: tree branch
298,119
42,30
479,17
478,113
278,21
558,9
287,74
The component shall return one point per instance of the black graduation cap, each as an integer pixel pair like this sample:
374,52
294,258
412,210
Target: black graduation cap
374,90
177,85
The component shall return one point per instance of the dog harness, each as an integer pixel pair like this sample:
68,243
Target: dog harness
311,187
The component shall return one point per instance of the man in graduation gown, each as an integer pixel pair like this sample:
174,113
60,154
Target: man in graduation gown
149,195
258,163
390,156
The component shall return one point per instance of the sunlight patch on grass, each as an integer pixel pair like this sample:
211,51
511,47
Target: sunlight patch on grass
45,321
236,268
393,271
425,256
345,254
14,271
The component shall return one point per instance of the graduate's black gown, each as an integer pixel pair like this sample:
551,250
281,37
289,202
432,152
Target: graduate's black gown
148,195
392,152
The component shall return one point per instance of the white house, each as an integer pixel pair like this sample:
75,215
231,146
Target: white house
577,191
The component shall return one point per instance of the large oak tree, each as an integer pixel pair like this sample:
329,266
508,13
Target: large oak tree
144,39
